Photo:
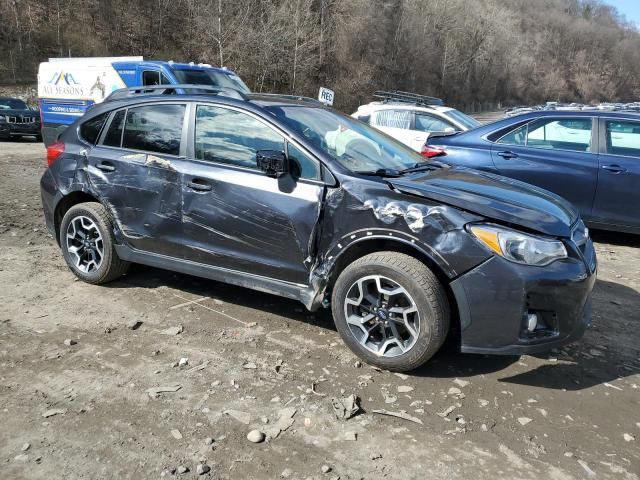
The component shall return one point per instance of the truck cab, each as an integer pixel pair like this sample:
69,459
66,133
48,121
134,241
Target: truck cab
67,87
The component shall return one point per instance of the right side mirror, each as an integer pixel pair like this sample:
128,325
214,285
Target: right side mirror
272,162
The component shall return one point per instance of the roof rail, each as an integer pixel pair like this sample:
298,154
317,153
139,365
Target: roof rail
407,97
189,89
290,97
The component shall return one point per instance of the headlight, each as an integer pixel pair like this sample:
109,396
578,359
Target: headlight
519,247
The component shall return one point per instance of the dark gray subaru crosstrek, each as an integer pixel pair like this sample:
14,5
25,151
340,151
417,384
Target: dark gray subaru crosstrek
284,195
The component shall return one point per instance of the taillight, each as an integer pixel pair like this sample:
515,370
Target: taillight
430,151
54,151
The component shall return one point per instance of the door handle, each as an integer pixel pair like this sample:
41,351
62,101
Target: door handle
106,167
614,168
507,155
199,185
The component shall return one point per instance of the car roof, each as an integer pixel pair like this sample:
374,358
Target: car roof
255,102
517,120
575,113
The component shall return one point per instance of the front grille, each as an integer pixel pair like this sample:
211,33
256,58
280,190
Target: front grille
21,120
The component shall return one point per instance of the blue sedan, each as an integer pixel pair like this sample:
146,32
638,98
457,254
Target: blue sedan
591,158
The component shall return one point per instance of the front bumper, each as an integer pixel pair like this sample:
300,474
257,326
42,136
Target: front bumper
495,298
8,130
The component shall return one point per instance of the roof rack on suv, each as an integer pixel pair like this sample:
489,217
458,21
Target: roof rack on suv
172,90
290,97
407,97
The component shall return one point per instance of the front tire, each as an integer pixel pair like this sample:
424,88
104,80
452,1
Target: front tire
391,310
88,244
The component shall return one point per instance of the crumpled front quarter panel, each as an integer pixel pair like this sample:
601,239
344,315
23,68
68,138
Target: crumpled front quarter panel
361,210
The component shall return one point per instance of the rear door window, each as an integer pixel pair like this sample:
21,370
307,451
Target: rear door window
560,134
515,137
154,128
553,133
623,138
90,130
113,137
431,123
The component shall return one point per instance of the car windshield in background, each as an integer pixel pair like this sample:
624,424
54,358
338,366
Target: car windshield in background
209,77
465,120
353,144
12,104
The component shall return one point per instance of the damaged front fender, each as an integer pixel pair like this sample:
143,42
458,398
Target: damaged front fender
371,211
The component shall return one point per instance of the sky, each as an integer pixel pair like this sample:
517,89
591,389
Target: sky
628,8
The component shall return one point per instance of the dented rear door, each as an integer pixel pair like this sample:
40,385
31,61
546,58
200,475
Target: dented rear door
234,215
134,170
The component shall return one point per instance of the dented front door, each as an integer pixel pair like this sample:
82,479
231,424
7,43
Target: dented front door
249,222
234,215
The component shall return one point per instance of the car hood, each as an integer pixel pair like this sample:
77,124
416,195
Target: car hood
492,196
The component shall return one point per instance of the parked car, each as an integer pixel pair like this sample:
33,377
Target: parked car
410,118
284,195
18,120
67,87
591,158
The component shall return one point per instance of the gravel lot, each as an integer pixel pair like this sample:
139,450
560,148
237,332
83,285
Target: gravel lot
254,360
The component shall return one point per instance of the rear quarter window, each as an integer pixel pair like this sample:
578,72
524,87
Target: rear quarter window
392,118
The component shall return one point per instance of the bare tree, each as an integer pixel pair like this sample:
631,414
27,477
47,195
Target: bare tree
469,52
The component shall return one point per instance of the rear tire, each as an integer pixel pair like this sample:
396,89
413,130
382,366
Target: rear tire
88,244
398,331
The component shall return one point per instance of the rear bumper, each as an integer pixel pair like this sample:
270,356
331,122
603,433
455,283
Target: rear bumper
495,298
49,194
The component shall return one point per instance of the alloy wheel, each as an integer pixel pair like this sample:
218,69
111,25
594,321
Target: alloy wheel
382,316
84,243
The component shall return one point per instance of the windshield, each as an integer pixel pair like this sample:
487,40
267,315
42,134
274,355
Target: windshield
356,146
12,104
463,119
211,77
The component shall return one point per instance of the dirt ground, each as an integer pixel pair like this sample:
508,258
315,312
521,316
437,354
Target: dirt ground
85,410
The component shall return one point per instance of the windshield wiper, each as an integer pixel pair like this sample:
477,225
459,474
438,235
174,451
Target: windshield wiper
419,167
392,172
381,172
